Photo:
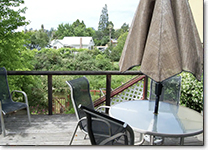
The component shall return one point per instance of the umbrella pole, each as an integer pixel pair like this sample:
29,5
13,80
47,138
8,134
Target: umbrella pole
158,91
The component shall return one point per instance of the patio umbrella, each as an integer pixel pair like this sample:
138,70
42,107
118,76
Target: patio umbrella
164,41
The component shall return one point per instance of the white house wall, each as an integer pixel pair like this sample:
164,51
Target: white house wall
87,42
58,45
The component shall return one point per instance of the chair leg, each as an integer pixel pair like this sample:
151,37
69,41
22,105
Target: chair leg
85,136
2,125
141,139
28,114
162,142
75,130
182,141
151,139
2,121
28,109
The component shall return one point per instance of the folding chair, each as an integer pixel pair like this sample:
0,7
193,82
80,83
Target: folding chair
7,105
105,130
80,94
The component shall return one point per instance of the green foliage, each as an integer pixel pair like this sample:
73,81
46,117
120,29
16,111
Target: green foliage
71,59
11,19
116,52
124,28
105,29
47,59
15,56
76,29
32,86
191,92
38,39
11,42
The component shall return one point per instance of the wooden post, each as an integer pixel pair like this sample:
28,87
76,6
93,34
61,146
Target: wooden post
108,91
50,97
145,88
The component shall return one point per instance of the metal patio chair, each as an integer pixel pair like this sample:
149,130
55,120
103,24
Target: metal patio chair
105,130
80,94
170,94
7,105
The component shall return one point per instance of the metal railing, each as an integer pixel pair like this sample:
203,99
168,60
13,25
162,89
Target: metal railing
57,73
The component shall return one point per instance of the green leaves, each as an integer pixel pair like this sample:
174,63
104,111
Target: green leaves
76,29
11,19
191,92
12,43
13,54
116,52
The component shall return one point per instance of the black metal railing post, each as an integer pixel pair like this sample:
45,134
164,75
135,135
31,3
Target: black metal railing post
108,91
50,96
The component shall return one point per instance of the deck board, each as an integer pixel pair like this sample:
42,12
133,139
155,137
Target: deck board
57,130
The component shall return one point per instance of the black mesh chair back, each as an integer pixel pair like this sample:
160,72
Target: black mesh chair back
170,91
80,94
80,89
5,96
105,130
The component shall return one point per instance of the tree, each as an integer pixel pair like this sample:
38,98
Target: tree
11,42
13,54
116,52
124,28
9,18
76,29
103,23
103,33
39,39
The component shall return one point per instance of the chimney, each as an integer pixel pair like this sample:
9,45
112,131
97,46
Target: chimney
80,42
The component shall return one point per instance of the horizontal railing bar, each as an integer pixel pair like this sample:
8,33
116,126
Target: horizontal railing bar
73,73
51,73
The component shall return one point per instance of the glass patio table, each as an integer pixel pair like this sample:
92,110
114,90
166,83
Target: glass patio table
171,121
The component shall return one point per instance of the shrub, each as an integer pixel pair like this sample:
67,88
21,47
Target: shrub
191,92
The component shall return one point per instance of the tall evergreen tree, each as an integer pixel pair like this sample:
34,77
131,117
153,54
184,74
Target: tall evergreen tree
103,23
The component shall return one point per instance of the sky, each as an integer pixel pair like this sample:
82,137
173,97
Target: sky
51,13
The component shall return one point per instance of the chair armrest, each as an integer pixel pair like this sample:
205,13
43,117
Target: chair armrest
101,107
25,95
111,138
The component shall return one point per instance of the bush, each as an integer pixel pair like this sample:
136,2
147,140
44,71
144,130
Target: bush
191,92
33,87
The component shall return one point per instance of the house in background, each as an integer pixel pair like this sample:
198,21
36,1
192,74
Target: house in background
102,48
114,42
73,42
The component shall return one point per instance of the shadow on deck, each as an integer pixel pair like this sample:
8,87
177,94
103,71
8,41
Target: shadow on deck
57,130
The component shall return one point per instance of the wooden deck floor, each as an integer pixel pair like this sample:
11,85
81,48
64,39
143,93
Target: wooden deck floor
57,130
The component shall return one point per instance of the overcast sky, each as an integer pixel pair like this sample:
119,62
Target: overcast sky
51,13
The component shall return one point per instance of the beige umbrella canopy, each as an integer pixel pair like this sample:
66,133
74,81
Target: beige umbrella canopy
164,40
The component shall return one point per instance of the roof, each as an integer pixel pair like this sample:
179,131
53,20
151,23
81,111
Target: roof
56,41
68,41
76,40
